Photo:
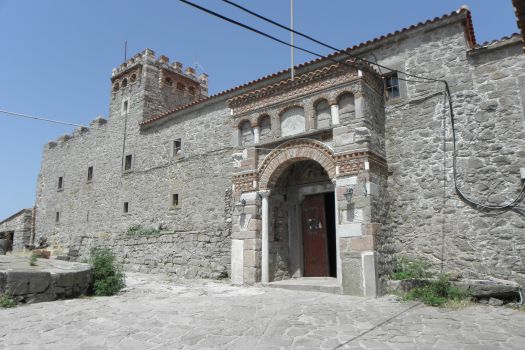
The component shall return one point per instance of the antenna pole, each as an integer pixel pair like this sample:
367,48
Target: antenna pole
125,50
291,40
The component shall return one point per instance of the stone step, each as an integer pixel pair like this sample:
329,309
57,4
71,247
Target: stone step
309,284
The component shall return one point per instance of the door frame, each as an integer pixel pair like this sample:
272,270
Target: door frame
302,192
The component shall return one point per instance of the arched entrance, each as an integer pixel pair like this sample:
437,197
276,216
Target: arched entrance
296,184
302,239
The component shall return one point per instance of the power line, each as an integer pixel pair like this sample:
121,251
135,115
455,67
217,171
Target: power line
509,205
343,51
40,118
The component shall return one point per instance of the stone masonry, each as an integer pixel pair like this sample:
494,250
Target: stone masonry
206,172
20,225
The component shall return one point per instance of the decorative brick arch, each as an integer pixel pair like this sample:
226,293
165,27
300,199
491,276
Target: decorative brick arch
276,162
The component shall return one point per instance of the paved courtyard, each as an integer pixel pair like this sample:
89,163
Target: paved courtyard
155,313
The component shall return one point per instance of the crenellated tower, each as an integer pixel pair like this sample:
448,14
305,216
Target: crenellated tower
148,86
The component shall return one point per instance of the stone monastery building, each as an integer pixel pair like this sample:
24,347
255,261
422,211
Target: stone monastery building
326,175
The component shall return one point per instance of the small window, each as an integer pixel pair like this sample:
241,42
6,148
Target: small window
191,90
124,82
57,216
60,183
168,81
128,162
175,200
124,107
126,207
116,87
90,174
392,86
133,77
177,147
180,86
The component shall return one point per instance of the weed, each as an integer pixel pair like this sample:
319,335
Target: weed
108,277
32,259
139,230
408,268
438,293
6,301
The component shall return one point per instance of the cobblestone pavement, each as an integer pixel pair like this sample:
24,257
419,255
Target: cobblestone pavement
154,313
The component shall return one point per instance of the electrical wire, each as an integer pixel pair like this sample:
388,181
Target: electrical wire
466,198
40,118
343,51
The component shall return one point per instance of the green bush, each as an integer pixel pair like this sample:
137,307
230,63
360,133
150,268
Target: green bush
32,259
108,277
139,230
6,301
437,293
408,268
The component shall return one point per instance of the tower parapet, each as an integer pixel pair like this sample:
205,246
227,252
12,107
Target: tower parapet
165,85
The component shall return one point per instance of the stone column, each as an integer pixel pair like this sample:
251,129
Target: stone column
334,111
256,134
265,278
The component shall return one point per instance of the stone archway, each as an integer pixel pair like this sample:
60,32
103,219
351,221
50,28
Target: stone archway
275,163
271,169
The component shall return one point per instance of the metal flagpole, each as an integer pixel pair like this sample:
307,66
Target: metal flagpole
291,39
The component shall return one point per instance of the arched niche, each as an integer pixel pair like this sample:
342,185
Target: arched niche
323,116
292,121
265,123
346,104
246,133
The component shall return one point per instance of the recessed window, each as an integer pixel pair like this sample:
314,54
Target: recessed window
128,162
175,203
124,82
90,174
60,183
124,107
57,216
168,81
191,90
180,86
177,147
133,77
392,86
116,87
126,207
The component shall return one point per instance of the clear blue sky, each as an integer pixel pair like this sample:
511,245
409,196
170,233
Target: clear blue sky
57,55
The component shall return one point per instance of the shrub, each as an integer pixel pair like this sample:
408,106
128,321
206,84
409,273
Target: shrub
108,277
32,259
139,230
408,268
437,293
6,301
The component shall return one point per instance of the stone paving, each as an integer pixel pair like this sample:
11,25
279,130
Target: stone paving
155,313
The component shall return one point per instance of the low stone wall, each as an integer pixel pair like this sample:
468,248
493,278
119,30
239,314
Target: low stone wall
48,280
188,254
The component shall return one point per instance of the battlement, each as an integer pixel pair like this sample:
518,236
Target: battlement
162,62
81,130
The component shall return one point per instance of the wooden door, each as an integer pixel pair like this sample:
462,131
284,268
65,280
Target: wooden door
315,248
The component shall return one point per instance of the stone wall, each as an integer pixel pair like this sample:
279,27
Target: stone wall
21,224
199,175
426,217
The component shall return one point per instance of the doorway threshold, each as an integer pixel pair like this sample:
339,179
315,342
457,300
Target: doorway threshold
309,284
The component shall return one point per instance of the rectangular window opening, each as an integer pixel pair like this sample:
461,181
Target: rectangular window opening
57,216
60,182
90,174
392,86
126,207
125,107
177,147
175,200
128,162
